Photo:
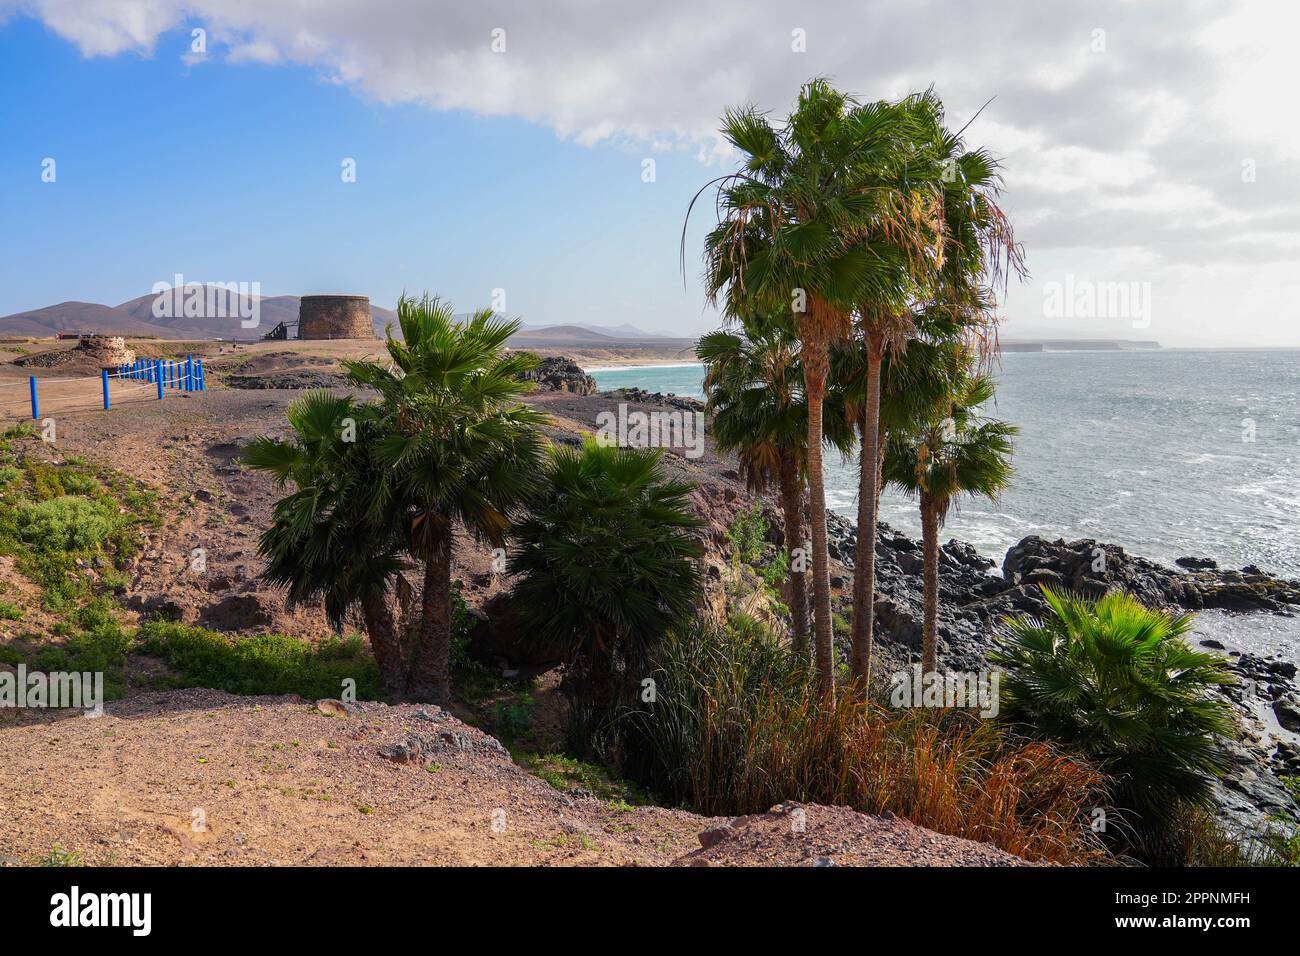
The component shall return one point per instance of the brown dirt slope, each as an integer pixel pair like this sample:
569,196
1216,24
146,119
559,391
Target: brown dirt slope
200,777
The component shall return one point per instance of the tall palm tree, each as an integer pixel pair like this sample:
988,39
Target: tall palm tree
337,536
606,561
462,451
753,386
951,452
787,240
955,248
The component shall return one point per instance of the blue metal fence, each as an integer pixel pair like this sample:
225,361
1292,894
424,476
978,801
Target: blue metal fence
163,374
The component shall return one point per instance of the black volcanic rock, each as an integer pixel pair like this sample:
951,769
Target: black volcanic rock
559,373
1091,568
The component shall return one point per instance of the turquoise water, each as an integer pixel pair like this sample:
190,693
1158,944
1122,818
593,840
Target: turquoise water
1142,449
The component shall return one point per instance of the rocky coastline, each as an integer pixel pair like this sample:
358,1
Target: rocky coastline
976,595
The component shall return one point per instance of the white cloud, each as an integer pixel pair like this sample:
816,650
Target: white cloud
1137,147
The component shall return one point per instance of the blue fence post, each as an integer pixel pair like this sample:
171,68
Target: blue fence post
189,373
202,384
157,377
36,405
105,381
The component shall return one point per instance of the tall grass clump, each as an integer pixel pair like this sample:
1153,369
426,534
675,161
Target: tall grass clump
736,727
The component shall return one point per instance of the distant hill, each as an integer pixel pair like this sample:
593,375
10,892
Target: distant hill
624,331
1077,345
136,317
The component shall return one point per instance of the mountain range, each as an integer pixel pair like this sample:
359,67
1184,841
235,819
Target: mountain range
136,317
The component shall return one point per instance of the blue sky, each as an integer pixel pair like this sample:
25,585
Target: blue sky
233,173
1141,146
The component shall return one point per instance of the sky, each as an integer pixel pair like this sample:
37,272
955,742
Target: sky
541,157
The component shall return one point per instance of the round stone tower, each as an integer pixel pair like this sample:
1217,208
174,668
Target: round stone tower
335,317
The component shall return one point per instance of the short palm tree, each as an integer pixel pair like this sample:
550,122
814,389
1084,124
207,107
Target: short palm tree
461,449
337,536
788,239
1116,681
951,452
606,560
753,385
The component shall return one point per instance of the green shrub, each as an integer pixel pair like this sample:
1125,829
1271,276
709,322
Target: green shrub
10,611
748,534
66,523
566,774
100,650
513,718
1113,680
262,664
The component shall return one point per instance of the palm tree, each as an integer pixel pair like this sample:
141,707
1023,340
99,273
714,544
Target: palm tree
1115,681
606,560
789,221
462,451
754,390
956,246
337,536
951,452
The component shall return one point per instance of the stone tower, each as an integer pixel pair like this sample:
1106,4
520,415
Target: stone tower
335,317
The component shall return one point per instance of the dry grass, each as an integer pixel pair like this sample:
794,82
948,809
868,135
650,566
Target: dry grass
734,731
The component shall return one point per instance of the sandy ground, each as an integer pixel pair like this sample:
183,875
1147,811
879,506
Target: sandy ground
207,778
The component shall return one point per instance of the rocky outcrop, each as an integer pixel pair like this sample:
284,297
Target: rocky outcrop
93,351
1092,568
302,378
795,834
640,396
558,373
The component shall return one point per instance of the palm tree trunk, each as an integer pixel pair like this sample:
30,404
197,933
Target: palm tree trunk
381,628
792,509
864,578
930,543
431,660
816,368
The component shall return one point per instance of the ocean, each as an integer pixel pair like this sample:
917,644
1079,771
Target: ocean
1164,452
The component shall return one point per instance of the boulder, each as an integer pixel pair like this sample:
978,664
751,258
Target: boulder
559,373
